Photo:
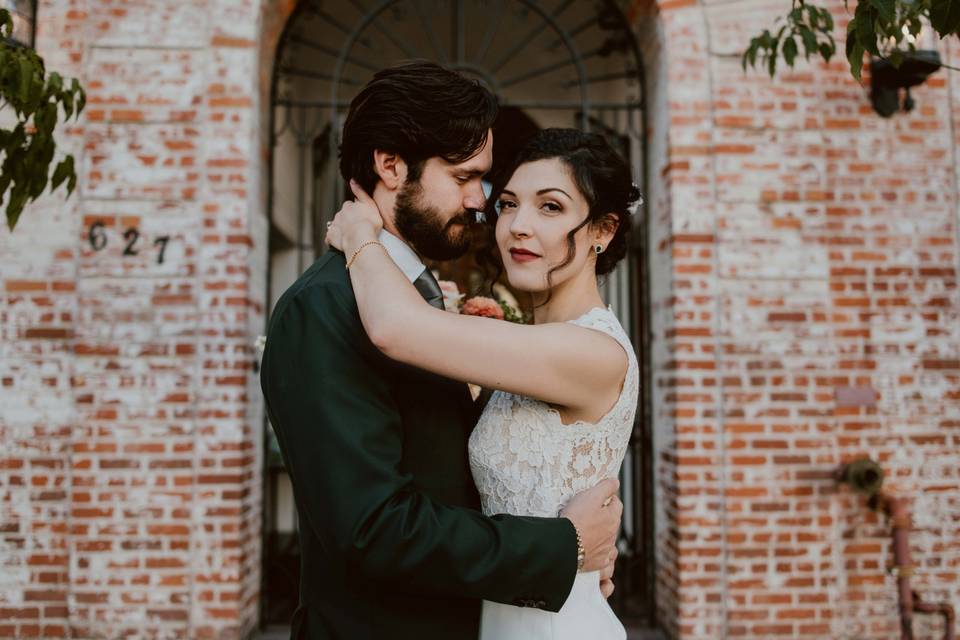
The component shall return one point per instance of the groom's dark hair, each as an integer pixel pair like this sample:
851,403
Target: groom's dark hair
418,110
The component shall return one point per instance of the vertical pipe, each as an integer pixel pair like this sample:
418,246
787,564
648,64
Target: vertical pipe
900,521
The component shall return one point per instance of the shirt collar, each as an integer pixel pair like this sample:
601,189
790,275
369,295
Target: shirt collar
401,253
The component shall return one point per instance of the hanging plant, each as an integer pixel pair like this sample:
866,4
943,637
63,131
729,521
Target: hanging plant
886,29
28,148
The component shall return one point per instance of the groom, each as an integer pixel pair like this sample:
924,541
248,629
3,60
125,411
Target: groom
393,544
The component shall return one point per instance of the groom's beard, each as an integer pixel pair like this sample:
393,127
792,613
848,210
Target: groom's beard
423,227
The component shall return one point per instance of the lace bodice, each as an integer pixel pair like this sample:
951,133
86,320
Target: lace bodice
525,461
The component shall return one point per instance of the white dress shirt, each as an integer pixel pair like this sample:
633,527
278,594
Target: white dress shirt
401,253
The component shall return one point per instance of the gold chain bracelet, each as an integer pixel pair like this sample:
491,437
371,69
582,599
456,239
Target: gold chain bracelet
581,551
361,248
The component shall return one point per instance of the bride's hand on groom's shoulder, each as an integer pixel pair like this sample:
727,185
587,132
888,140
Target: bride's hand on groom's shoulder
358,221
596,514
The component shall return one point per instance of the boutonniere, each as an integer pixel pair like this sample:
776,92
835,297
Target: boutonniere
503,306
451,295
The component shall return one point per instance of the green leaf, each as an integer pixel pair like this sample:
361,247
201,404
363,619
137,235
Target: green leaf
886,8
72,180
39,182
865,31
855,55
827,51
54,82
25,79
12,219
81,101
914,26
789,51
809,40
18,198
766,39
945,16
36,92
5,179
6,23
67,99
827,18
812,18
26,159
17,137
750,55
62,172
40,119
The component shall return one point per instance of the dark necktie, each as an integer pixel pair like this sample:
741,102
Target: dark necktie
427,286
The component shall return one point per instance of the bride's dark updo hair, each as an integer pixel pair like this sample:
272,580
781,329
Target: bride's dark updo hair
600,173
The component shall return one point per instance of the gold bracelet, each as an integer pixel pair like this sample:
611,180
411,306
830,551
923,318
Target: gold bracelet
581,552
359,249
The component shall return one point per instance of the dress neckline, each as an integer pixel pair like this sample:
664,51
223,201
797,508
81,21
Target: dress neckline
589,312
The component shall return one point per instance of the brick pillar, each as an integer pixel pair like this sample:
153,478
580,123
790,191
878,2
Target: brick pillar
38,415
131,423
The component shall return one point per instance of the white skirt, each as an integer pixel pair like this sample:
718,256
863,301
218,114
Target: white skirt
585,614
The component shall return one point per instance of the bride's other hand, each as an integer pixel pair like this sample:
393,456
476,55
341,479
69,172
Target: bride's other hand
358,221
606,574
596,514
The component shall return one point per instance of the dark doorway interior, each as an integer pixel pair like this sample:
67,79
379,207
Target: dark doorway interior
551,63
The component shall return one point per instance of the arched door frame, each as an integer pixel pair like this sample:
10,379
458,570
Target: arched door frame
641,540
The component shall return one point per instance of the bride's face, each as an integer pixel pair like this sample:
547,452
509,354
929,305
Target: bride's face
538,208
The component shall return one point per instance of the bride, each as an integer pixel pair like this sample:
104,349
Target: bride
566,386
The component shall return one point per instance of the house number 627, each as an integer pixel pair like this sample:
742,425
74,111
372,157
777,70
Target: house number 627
98,240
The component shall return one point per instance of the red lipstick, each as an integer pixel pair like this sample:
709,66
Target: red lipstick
523,255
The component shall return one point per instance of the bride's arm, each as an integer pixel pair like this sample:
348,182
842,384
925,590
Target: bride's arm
559,363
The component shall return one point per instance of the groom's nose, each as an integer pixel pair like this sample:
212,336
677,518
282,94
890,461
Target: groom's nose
474,198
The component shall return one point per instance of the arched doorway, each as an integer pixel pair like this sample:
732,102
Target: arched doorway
561,63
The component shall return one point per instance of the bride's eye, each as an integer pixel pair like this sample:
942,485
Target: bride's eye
552,207
505,204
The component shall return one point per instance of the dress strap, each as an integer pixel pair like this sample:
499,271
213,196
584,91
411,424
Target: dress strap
604,320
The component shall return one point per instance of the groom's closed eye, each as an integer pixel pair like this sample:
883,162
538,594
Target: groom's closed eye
469,175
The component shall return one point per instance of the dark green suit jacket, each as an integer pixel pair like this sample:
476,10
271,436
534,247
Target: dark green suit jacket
392,541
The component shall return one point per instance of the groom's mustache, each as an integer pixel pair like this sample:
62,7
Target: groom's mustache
466,218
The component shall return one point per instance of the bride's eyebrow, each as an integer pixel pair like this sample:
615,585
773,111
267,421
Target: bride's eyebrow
507,192
549,189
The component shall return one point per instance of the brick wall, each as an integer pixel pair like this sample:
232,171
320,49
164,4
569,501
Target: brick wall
814,318
131,422
805,312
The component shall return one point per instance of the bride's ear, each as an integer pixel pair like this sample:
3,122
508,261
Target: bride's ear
391,169
607,227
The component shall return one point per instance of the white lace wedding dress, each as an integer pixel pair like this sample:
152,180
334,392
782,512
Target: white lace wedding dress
526,462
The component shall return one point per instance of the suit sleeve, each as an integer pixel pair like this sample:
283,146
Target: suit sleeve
342,436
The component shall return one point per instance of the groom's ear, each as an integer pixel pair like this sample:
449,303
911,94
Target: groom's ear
390,167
